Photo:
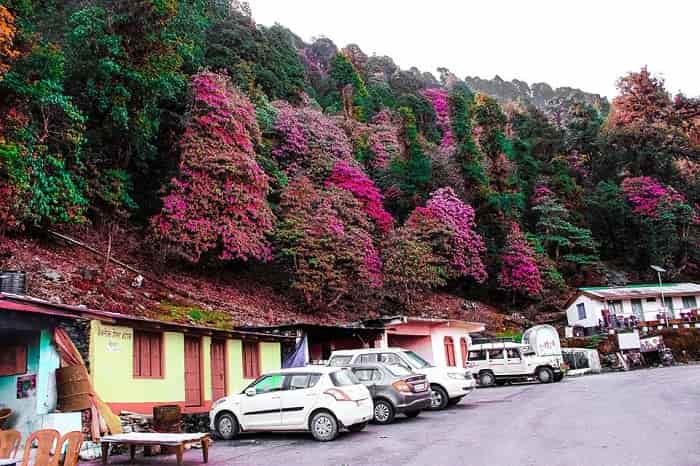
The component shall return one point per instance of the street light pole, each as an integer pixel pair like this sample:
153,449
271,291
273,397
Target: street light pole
661,291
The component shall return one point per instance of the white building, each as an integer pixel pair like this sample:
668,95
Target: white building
591,306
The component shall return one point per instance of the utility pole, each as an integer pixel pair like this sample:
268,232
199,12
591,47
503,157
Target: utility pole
658,271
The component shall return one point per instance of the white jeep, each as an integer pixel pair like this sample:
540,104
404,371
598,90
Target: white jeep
497,363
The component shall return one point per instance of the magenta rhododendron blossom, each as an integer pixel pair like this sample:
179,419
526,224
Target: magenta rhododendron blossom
304,131
519,271
439,99
352,179
647,196
383,140
218,200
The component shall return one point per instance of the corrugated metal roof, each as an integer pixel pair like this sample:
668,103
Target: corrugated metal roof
641,290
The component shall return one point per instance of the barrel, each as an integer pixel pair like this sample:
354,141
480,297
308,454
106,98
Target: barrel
13,282
73,388
167,418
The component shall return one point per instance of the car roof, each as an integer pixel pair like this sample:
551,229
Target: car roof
497,345
353,352
316,369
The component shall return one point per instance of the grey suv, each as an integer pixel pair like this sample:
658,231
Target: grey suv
394,390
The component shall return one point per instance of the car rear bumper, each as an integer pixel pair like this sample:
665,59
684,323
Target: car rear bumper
353,412
414,402
460,388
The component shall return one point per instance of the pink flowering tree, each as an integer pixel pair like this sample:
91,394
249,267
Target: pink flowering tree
218,200
383,140
439,99
308,141
648,197
324,240
519,271
352,179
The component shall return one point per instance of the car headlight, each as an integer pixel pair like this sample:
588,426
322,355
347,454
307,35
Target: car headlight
218,402
458,375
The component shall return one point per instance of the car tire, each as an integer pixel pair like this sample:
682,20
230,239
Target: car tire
357,427
545,375
227,426
324,426
486,379
384,412
558,378
438,398
454,401
412,414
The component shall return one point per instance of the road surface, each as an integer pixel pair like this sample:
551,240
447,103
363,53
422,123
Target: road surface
645,417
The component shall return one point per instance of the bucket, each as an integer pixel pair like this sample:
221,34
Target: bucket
73,388
13,282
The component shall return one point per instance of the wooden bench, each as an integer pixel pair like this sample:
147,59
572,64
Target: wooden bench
178,441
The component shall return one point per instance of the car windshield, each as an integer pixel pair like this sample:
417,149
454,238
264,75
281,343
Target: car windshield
416,361
343,378
397,370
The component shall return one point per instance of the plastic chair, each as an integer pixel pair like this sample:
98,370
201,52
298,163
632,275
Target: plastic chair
72,442
46,453
9,443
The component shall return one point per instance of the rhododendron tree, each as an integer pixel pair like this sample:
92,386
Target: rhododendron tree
383,141
324,239
218,200
648,197
519,271
7,35
308,140
354,180
439,99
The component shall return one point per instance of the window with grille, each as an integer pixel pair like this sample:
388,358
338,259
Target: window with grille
148,354
251,360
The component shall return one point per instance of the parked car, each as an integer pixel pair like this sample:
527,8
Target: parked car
318,399
394,389
448,385
501,362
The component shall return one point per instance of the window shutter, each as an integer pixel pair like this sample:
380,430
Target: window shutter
449,352
148,354
13,359
464,350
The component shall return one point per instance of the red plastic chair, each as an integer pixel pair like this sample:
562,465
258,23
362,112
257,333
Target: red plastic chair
46,453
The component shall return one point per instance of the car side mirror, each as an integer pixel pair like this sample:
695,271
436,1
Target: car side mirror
251,391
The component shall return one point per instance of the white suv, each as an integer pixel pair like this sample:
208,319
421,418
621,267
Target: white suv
448,385
501,362
318,399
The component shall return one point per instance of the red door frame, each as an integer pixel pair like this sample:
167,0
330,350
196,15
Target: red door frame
224,355
200,382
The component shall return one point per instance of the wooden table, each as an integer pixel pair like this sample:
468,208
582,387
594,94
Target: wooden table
179,441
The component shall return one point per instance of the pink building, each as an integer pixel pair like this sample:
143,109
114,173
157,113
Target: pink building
440,341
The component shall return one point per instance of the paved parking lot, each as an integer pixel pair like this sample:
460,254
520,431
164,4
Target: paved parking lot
646,417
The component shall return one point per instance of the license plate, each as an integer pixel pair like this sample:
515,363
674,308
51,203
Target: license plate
420,387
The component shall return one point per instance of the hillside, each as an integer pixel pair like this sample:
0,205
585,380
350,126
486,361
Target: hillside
250,173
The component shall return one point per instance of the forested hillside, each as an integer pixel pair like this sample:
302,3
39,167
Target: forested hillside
210,142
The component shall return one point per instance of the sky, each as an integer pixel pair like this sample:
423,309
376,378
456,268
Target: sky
587,45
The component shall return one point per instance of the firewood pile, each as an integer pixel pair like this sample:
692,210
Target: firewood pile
134,422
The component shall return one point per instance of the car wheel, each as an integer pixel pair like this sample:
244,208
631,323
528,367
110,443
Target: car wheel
412,414
227,426
454,401
486,379
438,398
559,378
324,426
357,427
383,412
545,375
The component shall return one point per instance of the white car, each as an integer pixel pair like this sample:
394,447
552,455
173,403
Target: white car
498,363
448,385
318,399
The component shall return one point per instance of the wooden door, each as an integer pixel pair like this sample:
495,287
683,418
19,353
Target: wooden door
218,369
193,371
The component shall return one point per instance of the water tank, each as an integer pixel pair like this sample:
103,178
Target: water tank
543,340
13,282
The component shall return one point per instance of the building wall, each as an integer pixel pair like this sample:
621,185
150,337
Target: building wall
111,362
42,362
418,343
438,335
593,312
